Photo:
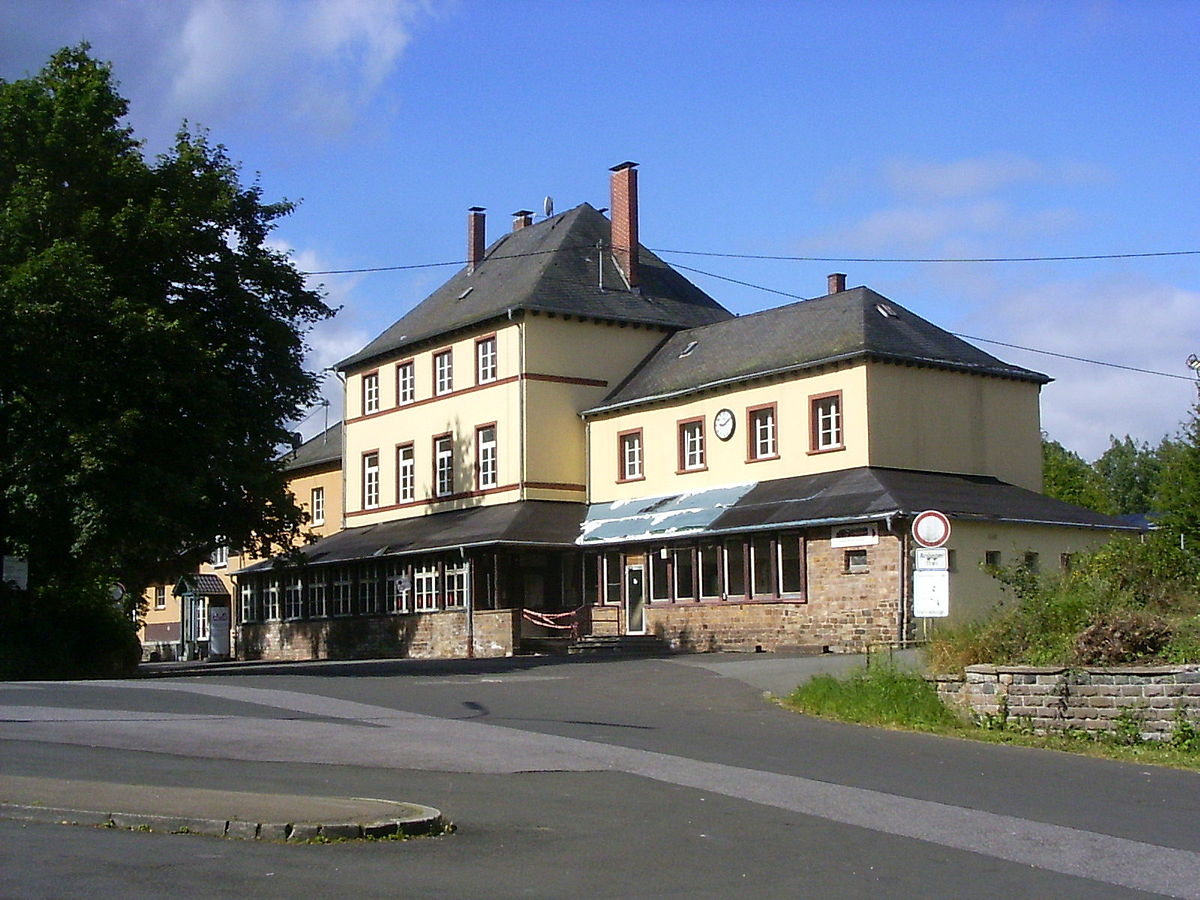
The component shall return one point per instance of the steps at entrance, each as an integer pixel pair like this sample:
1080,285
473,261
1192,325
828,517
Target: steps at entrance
619,645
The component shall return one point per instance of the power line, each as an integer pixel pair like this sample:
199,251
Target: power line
967,259
759,287
1094,362
768,257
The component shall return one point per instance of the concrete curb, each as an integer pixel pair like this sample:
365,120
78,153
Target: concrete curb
227,814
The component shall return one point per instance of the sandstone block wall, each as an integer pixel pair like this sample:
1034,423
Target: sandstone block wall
417,636
1092,699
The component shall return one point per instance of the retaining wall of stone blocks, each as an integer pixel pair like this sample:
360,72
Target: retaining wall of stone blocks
1091,699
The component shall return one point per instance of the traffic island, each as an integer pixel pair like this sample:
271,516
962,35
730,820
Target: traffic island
237,815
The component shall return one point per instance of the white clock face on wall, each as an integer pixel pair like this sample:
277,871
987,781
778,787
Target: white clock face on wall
724,424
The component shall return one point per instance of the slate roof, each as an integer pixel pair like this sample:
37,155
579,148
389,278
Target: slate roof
203,584
830,498
551,267
853,324
326,447
529,523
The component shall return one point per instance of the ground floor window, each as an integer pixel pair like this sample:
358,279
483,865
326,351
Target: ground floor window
248,613
342,599
317,607
456,578
271,600
293,598
425,587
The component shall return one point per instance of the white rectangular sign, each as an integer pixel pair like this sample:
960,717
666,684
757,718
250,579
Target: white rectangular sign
931,593
927,558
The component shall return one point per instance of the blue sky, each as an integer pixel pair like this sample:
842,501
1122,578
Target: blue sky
832,129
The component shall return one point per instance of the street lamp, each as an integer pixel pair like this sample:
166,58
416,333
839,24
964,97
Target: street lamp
1193,362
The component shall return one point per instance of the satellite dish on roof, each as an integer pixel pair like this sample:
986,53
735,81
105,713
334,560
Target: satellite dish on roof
548,206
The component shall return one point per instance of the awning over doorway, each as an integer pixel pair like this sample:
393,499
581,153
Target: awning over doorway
201,584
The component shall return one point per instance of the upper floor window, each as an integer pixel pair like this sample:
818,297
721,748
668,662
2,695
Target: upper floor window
317,506
406,474
691,445
370,480
443,454
370,393
487,470
220,556
443,372
160,597
631,455
485,360
406,383
761,433
825,412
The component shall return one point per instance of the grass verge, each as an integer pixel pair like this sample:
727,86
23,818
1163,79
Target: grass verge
886,697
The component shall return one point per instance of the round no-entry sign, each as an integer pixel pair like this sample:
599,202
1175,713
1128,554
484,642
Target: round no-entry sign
931,528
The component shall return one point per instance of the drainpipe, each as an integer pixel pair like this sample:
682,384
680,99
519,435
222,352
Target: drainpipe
462,555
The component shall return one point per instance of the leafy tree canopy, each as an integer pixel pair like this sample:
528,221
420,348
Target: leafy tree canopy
1066,476
1178,487
1129,473
153,339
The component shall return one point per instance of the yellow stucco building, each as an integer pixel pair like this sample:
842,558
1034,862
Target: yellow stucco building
568,437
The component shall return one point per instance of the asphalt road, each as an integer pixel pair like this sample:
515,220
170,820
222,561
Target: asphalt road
633,778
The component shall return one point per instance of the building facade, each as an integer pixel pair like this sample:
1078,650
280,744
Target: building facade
568,437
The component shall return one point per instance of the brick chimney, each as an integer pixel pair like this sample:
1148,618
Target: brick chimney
475,238
522,218
837,283
625,220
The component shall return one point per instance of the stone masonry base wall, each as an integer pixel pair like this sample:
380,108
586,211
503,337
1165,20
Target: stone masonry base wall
417,635
1054,699
842,626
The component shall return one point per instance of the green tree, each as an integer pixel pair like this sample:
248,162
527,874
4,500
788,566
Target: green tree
1178,495
1066,476
1129,472
153,341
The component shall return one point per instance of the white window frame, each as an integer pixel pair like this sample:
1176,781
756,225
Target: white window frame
248,613
220,556
443,368
399,588
271,601
370,480
160,596
763,433
200,619
826,411
406,383
317,505
425,588
486,360
370,393
691,445
406,474
457,580
632,457
488,469
444,465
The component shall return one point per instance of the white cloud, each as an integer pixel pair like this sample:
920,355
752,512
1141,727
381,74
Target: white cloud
270,64
316,61
983,175
943,230
1130,321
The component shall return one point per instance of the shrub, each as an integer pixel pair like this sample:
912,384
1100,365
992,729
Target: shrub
65,633
1122,636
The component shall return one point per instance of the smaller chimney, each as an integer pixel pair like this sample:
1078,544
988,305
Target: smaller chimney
522,218
625,220
475,238
837,283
